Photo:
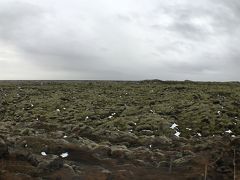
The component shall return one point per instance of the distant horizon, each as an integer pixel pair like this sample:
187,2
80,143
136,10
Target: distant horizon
187,80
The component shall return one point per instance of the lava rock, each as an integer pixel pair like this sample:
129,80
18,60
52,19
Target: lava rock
3,148
51,163
102,151
161,141
119,151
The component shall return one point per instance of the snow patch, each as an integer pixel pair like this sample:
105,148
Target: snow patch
199,134
174,125
43,153
228,131
177,134
64,155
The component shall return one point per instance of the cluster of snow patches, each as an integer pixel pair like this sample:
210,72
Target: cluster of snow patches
173,126
110,117
188,129
63,155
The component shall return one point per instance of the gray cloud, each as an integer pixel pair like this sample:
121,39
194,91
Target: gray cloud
120,40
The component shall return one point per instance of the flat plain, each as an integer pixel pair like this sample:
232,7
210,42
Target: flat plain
106,130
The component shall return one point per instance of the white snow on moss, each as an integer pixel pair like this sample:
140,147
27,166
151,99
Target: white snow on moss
228,131
199,134
43,153
64,155
177,134
174,125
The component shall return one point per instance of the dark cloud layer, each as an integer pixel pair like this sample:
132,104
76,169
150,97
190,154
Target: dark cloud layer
122,40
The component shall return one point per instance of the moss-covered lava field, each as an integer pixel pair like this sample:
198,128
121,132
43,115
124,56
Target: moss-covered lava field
113,130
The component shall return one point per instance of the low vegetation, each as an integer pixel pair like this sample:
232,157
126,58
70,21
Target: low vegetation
119,130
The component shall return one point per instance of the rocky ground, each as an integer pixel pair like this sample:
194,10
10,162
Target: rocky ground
100,130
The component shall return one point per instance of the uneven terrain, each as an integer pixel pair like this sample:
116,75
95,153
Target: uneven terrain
108,130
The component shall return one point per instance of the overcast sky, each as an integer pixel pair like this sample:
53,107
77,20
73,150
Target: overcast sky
120,39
